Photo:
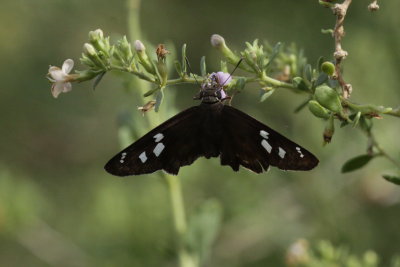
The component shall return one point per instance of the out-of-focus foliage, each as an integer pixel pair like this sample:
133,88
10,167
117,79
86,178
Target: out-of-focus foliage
59,208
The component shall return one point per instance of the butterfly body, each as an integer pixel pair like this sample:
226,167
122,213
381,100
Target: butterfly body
211,129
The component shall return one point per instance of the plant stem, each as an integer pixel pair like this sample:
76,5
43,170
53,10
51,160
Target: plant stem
381,151
174,186
178,213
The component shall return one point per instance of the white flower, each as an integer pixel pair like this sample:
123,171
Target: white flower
61,78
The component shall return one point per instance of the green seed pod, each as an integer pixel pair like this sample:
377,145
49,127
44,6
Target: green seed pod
329,130
328,98
318,110
328,67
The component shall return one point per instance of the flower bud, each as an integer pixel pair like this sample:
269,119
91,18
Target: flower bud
317,110
89,50
143,58
218,42
328,98
328,67
96,35
139,46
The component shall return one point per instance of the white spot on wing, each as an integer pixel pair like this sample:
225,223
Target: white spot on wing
266,145
158,137
299,150
158,149
264,134
123,155
143,157
281,152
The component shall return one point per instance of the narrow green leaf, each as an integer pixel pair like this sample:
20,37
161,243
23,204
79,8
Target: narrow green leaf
159,99
275,51
150,92
308,72
301,106
240,84
392,178
98,79
184,67
203,69
319,63
356,119
356,163
224,66
264,94
178,68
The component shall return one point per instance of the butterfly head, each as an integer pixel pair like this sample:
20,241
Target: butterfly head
212,87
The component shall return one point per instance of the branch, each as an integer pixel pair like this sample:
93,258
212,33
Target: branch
340,11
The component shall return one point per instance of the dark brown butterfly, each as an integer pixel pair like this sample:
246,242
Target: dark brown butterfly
211,129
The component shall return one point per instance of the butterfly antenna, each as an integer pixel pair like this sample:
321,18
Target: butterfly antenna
190,69
234,69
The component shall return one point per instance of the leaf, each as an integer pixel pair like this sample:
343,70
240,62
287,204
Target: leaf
274,53
178,68
98,79
301,106
159,99
264,94
319,63
224,66
300,84
203,228
203,69
184,67
308,72
240,84
391,178
322,78
152,91
356,163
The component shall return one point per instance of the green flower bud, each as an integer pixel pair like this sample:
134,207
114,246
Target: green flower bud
143,58
318,110
96,35
328,98
92,54
219,42
89,50
328,67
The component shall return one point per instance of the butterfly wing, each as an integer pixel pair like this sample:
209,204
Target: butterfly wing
169,146
252,144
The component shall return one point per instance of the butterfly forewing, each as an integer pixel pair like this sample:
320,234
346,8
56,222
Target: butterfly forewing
168,147
254,145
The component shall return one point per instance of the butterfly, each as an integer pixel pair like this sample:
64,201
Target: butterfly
211,129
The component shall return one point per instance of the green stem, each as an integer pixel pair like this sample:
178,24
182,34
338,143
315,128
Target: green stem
381,151
178,212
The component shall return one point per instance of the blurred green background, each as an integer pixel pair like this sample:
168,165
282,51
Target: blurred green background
58,207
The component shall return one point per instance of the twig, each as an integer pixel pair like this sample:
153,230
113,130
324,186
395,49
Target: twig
374,143
340,11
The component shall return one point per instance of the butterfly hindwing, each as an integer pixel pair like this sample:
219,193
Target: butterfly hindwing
254,145
168,146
